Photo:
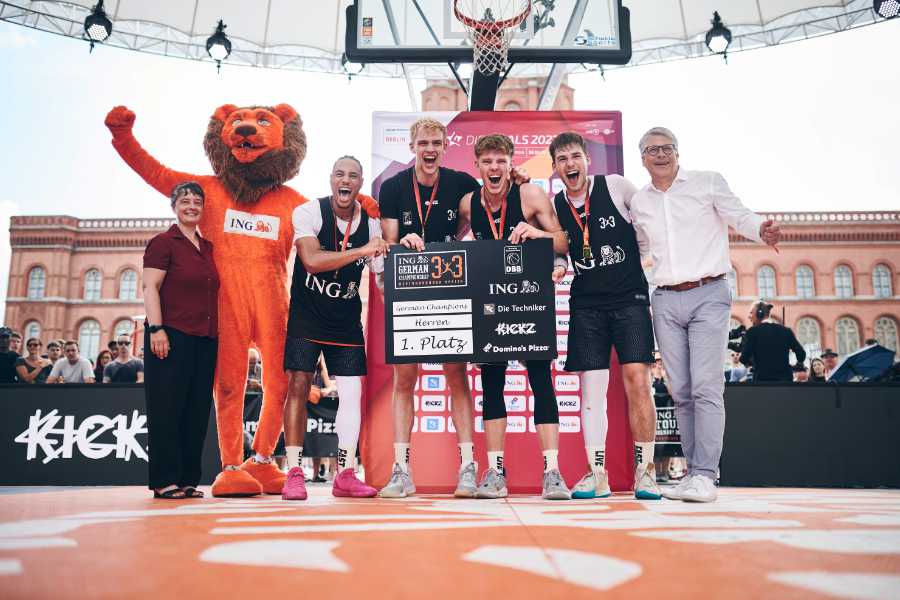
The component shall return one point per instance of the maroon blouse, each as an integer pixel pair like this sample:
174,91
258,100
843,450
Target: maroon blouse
189,294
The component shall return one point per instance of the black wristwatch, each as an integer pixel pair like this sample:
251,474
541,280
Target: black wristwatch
154,328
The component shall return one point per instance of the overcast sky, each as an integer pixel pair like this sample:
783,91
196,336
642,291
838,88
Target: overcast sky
811,125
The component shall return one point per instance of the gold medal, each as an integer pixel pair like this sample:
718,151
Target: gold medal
586,252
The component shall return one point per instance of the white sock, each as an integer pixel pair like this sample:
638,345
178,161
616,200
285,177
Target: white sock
294,456
262,459
401,455
551,460
466,453
596,458
594,422
346,458
643,453
495,461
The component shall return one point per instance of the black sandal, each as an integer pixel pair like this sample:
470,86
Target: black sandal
174,494
192,492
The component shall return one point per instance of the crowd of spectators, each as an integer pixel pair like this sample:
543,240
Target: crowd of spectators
60,361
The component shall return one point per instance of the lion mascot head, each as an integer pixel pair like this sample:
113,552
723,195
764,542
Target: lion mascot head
254,149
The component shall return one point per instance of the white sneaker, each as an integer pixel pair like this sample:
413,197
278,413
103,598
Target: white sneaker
467,484
645,487
592,486
701,489
400,485
675,493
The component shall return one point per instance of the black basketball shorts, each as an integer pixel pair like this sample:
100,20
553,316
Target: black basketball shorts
594,331
301,354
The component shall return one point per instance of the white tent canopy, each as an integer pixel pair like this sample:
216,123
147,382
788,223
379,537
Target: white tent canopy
309,35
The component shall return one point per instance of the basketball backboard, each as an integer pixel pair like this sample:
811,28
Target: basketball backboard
426,31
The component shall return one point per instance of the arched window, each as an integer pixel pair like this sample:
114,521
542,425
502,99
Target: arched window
843,282
128,285
89,339
37,283
125,326
847,333
512,105
32,330
809,335
886,333
765,282
731,276
806,287
881,281
93,283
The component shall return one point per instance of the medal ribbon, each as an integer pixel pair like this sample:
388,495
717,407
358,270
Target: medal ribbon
490,217
343,245
419,200
585,232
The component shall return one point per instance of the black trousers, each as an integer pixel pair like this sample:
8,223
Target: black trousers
179,392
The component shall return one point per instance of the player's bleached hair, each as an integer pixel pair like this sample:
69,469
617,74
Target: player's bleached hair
657,131
494,141
426,123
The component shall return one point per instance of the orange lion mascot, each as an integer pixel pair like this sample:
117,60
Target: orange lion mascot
247,217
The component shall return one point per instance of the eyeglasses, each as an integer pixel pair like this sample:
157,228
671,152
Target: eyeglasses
667,149
123,343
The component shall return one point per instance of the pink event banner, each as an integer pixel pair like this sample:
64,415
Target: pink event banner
434,452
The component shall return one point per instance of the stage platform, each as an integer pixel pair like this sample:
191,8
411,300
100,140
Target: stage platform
119,543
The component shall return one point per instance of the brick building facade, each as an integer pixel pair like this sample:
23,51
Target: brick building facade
835,278
77,278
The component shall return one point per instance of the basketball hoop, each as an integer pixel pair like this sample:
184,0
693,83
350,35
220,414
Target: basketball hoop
490,25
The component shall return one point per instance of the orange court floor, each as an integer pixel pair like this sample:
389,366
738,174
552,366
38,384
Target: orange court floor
119,543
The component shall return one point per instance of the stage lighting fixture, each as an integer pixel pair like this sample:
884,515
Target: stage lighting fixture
218,46
886,9
719,37
97,26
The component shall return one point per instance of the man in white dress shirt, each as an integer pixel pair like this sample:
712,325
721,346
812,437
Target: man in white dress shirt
681,219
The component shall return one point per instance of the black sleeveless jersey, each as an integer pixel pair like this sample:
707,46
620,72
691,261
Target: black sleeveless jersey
612,277
325,307
481,229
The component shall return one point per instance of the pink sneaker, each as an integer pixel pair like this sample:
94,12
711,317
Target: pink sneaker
347,485
295,486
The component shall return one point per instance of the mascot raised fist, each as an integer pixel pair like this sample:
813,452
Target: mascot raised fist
247,216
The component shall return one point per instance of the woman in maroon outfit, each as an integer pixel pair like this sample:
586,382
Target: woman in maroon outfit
181,288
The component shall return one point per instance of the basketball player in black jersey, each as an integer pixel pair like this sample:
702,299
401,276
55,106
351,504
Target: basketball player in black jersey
501,209
335,240
609,306
420,205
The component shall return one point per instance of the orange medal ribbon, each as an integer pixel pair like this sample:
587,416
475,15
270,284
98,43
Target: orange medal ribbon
343,245
585,232
490,217
419,201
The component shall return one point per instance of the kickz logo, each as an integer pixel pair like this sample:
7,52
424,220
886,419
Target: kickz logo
45,434
515,329
244,223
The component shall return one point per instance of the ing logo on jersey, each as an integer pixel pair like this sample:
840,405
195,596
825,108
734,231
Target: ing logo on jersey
608,256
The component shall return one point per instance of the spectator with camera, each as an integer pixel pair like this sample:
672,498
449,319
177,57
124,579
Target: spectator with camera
767,345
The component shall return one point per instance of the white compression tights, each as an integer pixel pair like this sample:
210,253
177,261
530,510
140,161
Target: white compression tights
349,415
594,422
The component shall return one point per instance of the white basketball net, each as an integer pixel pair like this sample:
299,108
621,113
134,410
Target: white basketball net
490,25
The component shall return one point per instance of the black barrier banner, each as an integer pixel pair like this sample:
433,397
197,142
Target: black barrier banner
476,301
668,438
321,436
74,435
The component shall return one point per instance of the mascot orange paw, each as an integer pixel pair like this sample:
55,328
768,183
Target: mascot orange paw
267,474
235,483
